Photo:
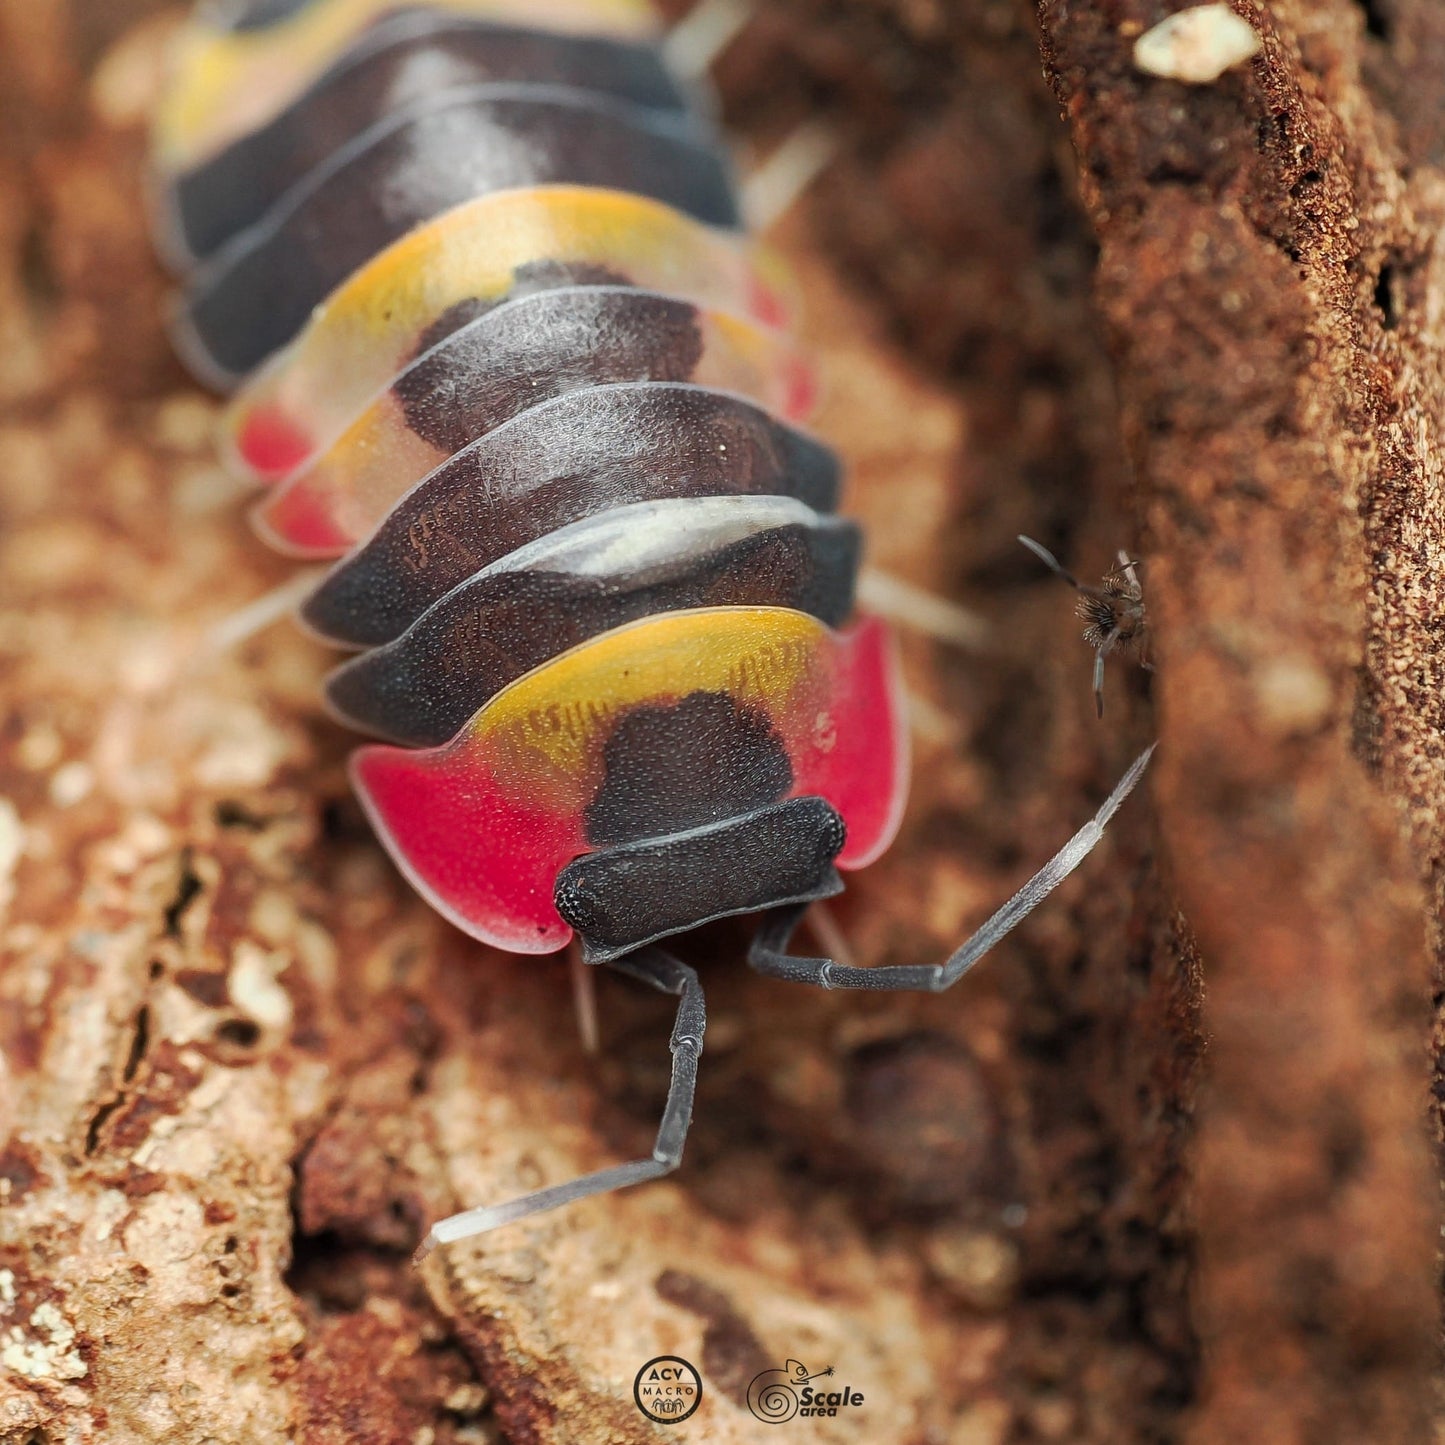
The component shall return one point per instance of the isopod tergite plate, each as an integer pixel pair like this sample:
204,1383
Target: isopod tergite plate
483,825
446,273
513,356
236,66
402,59
554,464
257,292
585,579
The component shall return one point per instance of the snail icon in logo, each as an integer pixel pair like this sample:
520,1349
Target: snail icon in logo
777,1395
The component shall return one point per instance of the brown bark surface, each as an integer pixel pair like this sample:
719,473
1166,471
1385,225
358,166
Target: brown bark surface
1138,1178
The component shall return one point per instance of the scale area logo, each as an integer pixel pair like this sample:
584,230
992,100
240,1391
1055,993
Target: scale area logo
779,1395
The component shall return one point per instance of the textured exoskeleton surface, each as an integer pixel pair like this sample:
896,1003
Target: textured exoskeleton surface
440,275
513,356
402,59
257,291
557,463
584,579
507,359
236,65
684,717
621,897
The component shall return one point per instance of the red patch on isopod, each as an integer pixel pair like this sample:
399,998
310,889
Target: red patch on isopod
272,444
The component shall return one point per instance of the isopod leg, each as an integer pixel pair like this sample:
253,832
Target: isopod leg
668,974
769,955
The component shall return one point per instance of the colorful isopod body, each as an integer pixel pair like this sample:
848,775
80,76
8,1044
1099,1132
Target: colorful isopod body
498,348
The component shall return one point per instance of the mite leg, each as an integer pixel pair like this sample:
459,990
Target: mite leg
664,972
1129,567
768,954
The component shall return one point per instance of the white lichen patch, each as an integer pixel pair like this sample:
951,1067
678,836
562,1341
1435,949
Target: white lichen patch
70,783
7,1290
107,1211
1197,45
143,837
48,1353
185,422
1294,695
39,748
202,488
468,1399
245,752
253,987
12,844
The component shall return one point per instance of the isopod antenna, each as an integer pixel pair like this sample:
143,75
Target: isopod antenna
768,955
660,969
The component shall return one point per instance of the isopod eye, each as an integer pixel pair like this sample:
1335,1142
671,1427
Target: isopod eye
484,825
365,334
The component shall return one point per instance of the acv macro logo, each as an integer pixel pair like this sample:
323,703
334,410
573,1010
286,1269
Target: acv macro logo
667,1389
778,1395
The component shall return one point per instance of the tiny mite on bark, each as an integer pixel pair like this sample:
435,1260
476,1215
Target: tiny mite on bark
1115,611
499,349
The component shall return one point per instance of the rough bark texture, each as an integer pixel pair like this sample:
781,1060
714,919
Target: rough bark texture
1270,278
242,1065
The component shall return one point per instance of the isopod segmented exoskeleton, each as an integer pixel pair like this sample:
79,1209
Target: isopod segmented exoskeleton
501,352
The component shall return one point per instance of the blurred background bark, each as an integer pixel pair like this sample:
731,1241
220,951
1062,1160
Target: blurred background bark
1160,1171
